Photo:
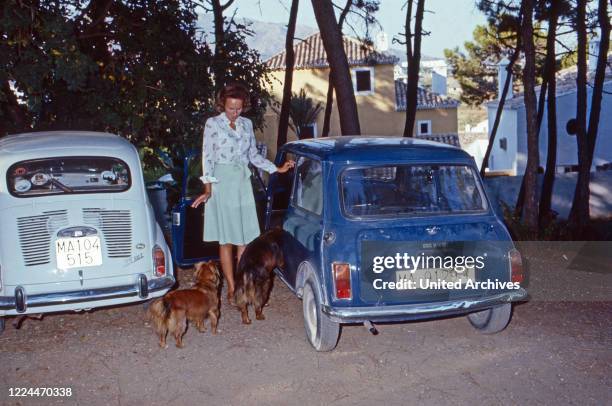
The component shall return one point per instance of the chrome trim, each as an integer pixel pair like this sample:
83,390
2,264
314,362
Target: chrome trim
354,314
89,295
79,231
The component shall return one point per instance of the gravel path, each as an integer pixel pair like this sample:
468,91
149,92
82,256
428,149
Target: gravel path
552,353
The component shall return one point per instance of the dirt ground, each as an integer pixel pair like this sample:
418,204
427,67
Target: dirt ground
553,352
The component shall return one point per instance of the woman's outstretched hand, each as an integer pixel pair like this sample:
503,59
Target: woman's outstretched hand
286,166
203,198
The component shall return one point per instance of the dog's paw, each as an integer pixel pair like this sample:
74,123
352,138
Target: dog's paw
260,316
247,321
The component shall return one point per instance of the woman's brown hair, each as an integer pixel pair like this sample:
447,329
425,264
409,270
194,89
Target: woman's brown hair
233,91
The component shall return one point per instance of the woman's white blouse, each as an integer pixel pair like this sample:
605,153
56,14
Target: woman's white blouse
223,144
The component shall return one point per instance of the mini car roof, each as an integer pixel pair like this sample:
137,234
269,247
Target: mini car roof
376,148
70,143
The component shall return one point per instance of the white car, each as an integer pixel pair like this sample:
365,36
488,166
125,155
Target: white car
78,231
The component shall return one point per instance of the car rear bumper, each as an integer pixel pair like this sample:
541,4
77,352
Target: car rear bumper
142,289
420,310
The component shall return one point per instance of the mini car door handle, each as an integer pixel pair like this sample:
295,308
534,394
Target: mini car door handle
329,237
432,230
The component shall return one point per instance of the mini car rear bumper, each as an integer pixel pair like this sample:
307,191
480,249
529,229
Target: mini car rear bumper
142,289
420,310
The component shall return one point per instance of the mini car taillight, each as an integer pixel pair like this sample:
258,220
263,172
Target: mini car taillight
159,261
516,266
342,280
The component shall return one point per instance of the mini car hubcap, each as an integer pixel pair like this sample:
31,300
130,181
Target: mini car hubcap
311,316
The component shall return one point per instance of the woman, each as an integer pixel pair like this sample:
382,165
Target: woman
229,145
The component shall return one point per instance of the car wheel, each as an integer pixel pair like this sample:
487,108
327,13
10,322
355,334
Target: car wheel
322,333
492,320
1,325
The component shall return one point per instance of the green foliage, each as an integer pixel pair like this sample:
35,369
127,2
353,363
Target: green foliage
139,69
243,64
303,111
476,70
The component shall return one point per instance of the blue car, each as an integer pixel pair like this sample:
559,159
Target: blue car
384,229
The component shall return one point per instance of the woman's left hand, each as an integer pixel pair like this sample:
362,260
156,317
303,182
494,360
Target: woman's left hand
286,166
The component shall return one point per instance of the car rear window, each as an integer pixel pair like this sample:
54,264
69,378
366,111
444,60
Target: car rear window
67,175
411,190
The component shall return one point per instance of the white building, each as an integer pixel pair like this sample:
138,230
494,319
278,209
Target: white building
509,153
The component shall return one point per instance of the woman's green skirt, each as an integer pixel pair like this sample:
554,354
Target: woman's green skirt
230,216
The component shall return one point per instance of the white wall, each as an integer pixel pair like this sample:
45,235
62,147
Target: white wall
501,160
567,148
506,189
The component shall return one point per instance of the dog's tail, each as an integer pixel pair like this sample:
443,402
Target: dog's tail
278,254
160,312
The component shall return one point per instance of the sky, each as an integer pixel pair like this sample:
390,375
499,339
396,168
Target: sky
451,22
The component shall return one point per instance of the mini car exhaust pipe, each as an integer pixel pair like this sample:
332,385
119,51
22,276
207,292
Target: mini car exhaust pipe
20,299
143,286
371,328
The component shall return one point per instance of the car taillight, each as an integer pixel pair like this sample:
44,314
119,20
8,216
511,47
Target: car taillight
517,273
342,280
159,261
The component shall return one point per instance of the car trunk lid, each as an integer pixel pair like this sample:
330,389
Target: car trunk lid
429,251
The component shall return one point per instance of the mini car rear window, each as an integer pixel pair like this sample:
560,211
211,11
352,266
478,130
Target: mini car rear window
67,175
411,190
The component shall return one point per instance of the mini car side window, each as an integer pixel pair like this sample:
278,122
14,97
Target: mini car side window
283,185
308,192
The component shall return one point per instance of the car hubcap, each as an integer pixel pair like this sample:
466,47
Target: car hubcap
311,316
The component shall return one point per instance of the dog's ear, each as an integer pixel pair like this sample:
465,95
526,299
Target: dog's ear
197,267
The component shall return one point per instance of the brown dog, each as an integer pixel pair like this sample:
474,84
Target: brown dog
255,273
171,312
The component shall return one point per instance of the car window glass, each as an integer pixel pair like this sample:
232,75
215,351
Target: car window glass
411,189
66,175
309,185
282,185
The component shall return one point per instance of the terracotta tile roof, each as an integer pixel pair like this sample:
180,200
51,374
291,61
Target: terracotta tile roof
566,83
425,98
310,53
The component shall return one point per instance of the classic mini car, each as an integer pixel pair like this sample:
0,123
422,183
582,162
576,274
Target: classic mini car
78,231
381,229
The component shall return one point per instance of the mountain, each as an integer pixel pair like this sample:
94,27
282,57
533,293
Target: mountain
269,38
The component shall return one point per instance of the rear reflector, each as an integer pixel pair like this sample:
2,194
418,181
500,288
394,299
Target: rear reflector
159,261
342,280
516,266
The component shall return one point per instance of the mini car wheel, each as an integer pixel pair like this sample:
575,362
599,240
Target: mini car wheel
321,331
492,320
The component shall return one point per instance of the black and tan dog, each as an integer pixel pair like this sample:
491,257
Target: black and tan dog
171,312
255,273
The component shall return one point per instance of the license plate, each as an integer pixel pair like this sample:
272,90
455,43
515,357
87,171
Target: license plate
78,252
421,276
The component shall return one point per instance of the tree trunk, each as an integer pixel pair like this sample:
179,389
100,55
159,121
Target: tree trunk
329,104
413,54
579,213
530,211
339,67
500,108
283,122
219,58
551,117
